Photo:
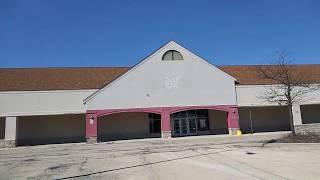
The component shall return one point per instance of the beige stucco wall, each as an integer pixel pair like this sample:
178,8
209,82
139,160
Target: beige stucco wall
30,103
2,127
250,95
274,118
310,114
218,122
123,126
50,129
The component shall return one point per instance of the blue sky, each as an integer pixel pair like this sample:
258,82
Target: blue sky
120,33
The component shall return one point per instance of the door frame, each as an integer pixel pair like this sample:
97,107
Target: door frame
187,122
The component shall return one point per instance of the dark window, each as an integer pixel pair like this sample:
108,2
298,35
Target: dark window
203,120
154,123
172,55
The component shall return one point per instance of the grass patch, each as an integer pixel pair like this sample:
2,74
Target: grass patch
300,138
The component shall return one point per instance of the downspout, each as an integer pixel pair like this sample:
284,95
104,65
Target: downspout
235,90
251,123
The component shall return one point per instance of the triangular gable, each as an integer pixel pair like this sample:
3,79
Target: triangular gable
167,47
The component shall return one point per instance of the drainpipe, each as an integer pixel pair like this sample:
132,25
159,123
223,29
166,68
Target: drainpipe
251,123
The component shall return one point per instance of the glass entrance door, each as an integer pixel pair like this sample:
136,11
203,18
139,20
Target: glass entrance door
176,126
189,122
192,128
184,126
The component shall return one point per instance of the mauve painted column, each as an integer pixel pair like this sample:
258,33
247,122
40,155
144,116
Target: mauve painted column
91,128
165,125
233,120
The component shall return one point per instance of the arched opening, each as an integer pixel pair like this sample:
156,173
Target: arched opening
129,125
198,122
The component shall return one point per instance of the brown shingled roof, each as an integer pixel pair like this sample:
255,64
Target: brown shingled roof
248,74
29,79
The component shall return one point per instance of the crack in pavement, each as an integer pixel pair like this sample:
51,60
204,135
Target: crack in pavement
138,165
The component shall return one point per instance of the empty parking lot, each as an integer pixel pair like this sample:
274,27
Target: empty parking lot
206,157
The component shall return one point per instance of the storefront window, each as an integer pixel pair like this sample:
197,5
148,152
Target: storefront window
154,123
202,119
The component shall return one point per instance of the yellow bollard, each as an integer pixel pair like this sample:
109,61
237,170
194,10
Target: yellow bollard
239,133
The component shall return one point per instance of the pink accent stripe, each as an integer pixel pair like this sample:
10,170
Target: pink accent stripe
159,110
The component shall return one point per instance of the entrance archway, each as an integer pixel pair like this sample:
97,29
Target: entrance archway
199,122
165,113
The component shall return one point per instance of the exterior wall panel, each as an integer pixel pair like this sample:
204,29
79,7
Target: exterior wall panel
28,103
123,126
249,95
218,122
50,129
310,114
264,119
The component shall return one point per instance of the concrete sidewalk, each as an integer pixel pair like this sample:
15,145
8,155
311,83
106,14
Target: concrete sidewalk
202,157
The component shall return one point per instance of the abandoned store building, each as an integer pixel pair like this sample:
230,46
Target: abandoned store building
171,93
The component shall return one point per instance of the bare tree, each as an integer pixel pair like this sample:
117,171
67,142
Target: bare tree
290,84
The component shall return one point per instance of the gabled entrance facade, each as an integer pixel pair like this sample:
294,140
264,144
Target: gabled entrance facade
174,83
